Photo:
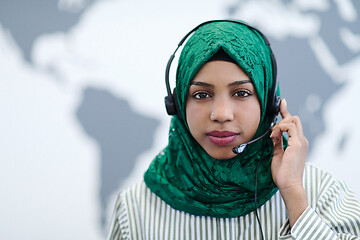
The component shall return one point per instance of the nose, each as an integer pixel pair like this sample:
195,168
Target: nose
222,110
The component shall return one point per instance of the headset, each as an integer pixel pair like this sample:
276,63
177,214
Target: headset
273,106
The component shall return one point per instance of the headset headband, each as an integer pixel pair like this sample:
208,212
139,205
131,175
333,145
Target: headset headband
274,103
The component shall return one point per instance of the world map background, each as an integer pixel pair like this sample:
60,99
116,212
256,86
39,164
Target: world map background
82,87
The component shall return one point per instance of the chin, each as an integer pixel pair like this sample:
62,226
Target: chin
223,155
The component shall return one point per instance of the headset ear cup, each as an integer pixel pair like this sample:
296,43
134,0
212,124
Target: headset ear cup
277,105
275,108
172,104
176,104
169,104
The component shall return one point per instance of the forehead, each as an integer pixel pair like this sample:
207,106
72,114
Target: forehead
220,72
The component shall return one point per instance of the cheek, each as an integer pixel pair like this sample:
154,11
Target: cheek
256,115
191,113
255,112
251,114
195,117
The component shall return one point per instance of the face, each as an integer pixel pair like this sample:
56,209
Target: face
222,108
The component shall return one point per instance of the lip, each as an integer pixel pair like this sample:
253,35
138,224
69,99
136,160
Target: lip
222,138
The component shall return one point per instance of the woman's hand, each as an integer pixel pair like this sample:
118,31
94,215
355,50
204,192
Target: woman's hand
287,166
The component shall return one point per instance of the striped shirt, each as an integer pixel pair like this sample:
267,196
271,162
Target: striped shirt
333,213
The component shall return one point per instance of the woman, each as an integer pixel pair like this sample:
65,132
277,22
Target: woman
198,188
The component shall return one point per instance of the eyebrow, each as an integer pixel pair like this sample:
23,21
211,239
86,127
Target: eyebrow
239,82
204,84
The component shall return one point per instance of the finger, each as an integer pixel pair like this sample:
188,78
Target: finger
283,109
290,128
275,132
278,146
296,120
298,124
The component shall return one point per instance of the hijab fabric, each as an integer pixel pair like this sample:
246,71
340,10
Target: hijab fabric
183,174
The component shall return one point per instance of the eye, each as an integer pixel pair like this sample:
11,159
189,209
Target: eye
242,94
200,95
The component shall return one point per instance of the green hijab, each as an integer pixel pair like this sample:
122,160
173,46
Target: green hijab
183,174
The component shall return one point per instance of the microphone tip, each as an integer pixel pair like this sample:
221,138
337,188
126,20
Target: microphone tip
239,149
